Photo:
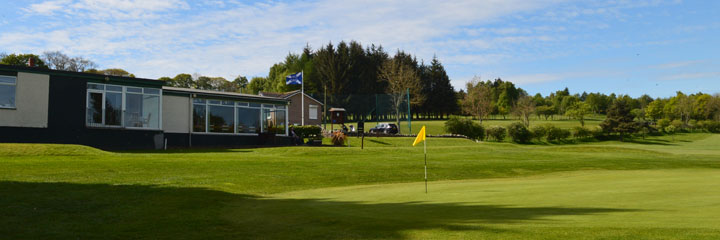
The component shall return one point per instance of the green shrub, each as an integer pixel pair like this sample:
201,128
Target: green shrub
497,132
711,126
555,134
476,132
645,128
597,132
700,125
581,132
679,125
663,123
670,130
466,127
539,132
519,133
457,125
693,124
308,131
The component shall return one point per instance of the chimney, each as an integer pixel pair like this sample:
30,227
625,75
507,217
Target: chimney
31,62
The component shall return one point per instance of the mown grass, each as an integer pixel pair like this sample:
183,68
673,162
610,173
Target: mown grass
636,204
478,190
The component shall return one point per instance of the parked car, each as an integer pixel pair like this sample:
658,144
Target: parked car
387,128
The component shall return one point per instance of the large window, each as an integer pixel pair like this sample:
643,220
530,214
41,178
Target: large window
248,119
7,91
219,116
280,118
120,106
199,115
142,107
274,118
113,106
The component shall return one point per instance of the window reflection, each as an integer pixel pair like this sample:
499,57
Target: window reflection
221,119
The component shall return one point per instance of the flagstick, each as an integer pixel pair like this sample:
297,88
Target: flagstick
425,150
302,96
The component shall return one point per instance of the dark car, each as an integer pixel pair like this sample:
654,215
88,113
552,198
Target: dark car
387,128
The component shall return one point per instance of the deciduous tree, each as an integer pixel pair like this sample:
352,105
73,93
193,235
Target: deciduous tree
524,107
578,111
478,100
59,61
22,60
654,109
111,71
401,78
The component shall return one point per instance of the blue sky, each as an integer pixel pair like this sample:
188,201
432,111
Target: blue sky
627,47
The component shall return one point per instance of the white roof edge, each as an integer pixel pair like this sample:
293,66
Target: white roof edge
213,92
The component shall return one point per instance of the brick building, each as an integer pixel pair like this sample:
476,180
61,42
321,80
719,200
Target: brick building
313,107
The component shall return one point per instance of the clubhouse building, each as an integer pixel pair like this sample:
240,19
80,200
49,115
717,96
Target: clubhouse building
112,112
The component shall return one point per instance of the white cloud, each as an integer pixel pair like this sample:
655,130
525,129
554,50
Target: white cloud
152,39
149,39
47,7
106,9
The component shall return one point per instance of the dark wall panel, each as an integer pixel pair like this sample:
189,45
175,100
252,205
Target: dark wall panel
66,124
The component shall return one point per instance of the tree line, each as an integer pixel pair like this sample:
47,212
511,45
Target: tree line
57,60
624,114
347,73
350,74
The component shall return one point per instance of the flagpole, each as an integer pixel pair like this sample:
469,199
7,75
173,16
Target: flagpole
302,96
425,151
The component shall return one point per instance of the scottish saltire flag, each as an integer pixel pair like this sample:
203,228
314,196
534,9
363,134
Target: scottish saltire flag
294,79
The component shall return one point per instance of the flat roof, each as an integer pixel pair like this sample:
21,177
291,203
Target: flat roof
231,95
92,76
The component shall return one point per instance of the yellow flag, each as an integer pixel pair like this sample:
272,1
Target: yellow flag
420,137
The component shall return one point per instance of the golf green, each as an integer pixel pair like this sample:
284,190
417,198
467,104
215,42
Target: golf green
652,204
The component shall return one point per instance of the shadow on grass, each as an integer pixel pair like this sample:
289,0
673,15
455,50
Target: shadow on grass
100,211
649,141
378,142
192,150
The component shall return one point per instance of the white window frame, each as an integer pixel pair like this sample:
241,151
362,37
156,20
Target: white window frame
236,106
246,105
123,93
14,84
310,112
222,103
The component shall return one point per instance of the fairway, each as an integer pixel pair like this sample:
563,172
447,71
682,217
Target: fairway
655,188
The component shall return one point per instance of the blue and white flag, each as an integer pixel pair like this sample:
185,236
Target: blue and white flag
294,79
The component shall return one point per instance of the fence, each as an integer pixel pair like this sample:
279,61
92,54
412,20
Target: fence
368,107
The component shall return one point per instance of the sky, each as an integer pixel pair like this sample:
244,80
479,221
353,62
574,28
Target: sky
654,47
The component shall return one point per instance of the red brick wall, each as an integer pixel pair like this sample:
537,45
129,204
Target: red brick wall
295,112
